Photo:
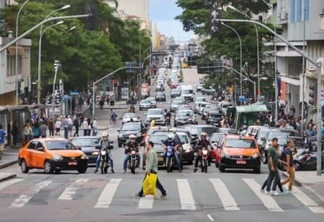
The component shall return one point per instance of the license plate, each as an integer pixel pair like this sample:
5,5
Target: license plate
240,162
72,163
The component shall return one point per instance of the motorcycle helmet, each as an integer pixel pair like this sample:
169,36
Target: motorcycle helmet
132,137
203,135
105,135
170,137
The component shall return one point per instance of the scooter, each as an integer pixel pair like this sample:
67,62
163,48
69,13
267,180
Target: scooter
104,165
133,161
204,160
169,158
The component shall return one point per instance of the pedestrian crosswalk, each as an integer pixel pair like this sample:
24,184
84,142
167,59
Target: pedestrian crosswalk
183,194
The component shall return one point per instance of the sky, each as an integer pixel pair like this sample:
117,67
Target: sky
163,13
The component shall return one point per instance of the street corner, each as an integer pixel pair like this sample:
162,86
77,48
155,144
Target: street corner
7,176
306,178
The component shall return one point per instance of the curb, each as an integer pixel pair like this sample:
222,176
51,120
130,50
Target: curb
2,166
10,176
297,182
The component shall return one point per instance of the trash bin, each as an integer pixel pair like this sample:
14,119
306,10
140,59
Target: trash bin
112,102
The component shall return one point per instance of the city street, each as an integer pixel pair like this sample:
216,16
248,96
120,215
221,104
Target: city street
214,196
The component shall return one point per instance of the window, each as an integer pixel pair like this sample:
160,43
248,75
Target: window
240,143
299,10
292,11
11,65
60,145
32,145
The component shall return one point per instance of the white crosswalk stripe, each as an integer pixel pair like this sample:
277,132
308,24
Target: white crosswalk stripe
225,196
268,201
108,193
72,189
24,198
186,198
307,201
221,194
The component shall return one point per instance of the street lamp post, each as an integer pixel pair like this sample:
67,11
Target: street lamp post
17,44
258,46
241,55
319,64
56,67
40,49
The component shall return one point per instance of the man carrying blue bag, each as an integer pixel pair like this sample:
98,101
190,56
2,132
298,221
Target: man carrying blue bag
152,168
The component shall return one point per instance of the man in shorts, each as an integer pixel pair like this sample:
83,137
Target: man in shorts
3,135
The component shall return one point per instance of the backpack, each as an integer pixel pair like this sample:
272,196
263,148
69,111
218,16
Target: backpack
283,155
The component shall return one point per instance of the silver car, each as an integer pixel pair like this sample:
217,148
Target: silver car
157,115
144,104
128,117
153,101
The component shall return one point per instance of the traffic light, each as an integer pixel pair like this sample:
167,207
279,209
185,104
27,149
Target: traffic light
313,94
215,15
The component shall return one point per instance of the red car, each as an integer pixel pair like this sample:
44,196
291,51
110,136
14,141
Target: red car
174,84
214,141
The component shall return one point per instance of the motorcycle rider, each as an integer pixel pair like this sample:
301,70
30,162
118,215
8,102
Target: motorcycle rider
132,144
167,115
171,142
105,143
202,143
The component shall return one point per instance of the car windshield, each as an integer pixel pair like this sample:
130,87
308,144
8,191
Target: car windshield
187,91
85,142
282,140
276,133
240,143
145,101
156,139
155,112
216,137
130,115
60,145
151,99
262,133
160,94
183,138
131,127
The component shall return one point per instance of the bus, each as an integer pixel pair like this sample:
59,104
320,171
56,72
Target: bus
245,115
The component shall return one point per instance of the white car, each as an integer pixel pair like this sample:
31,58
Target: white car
127,117
153,101
144,104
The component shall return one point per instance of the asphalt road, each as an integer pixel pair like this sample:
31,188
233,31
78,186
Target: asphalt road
215,196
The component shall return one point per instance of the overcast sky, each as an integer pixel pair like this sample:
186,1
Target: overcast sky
163,12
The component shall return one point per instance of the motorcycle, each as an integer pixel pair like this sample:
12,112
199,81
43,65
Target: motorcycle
168,121
169,158
133,161
204,160
104,163
305,160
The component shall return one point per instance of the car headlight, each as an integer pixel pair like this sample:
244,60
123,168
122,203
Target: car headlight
57,157
84,157
95,153
188,150
255,156
225,155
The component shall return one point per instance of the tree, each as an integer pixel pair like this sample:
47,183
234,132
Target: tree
225,42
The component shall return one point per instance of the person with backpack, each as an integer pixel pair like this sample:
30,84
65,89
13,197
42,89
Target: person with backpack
290,165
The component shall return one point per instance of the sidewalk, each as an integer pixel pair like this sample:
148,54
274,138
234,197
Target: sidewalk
9,157
306,178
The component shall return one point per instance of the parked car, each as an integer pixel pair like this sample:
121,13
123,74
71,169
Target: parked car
52,155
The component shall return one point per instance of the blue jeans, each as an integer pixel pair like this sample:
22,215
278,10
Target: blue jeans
158,185
127,158
176,157
109,158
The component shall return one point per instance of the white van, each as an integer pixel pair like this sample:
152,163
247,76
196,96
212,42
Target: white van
187,92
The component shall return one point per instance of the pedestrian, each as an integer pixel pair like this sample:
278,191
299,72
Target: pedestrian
36,129
70,125
85,127
273,168
43,129
65,124
290,165
51,127
3,135
76,123
15,133
152,167
94,127
58,125
27,133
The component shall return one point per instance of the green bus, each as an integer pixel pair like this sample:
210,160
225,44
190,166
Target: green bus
246,115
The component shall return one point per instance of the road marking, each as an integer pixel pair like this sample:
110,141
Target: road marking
146,202
224,195
4,184
24,198
186,198
210,217
108,193
308,202
72,189
268,201
316,193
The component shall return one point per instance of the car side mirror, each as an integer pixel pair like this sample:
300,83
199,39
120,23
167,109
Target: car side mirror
79,148
40,148
97,147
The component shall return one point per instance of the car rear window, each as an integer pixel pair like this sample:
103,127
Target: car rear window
60,145
85,142
240,143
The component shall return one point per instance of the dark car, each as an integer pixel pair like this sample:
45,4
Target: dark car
214,117
160,96
184,117
89,146
196,130
128,129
